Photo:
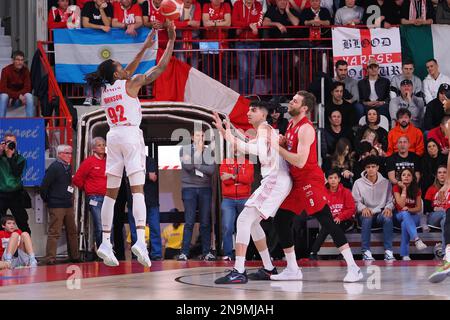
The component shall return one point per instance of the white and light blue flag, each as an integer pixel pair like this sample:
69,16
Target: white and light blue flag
80,51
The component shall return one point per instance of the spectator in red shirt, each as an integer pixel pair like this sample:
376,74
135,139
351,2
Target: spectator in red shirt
13,240
342,205
15,86
90,177
189,23
438,135
435,208
248,15
153,18
216,14
236,175
81,3
408,204
127,16
59,16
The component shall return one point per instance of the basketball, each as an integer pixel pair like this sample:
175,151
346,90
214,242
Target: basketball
171,9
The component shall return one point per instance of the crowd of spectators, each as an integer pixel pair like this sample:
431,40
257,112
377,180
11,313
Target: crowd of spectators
409,143
383,139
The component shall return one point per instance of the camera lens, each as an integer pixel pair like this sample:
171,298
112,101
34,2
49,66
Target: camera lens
11,145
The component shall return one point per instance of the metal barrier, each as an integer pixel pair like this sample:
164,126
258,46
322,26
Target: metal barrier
59,126
264,66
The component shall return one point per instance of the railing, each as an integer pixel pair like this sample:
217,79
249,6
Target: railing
281,65
59,126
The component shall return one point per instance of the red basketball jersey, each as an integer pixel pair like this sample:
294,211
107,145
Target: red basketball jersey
311,167
154,14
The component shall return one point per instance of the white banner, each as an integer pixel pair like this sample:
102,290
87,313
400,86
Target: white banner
357,46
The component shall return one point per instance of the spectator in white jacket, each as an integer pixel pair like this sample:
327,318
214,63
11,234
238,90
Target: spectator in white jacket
433,80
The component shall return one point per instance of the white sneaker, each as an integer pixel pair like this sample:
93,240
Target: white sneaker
406,258
141,252
88,101
106,253
367,256
389,255
287,275
354,274
420,245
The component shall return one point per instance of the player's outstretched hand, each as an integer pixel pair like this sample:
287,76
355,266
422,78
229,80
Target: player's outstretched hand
149,41
171,30
218,123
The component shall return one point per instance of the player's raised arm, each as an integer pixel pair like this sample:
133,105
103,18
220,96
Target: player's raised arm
250,147
154,72
306,137
132,66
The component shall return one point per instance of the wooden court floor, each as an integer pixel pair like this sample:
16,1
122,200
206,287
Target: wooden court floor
173,280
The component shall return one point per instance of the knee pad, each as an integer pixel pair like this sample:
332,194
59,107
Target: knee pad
257,231
244,224
137,178
113,182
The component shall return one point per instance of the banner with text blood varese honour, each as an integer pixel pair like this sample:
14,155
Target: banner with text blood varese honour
357,46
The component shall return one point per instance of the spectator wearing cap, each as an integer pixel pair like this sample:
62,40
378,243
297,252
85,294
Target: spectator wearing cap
407,73
350,14
409,101
15,86
433,80
404,127
374,204
434,110
374,90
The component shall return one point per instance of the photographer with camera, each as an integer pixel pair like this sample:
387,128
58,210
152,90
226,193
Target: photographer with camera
12,193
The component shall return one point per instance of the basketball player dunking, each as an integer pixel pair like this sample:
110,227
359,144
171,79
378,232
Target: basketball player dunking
125,140
299,149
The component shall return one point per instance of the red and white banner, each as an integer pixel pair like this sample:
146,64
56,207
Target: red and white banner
180,82
357,46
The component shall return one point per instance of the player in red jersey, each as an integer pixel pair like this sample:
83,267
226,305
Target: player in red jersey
298,147
443,271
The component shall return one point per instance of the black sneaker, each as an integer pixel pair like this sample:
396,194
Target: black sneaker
262,274
234,277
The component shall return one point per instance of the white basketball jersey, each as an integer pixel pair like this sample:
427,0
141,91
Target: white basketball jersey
120,108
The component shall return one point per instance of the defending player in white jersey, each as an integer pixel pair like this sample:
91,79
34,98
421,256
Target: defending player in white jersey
125,140
264,202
